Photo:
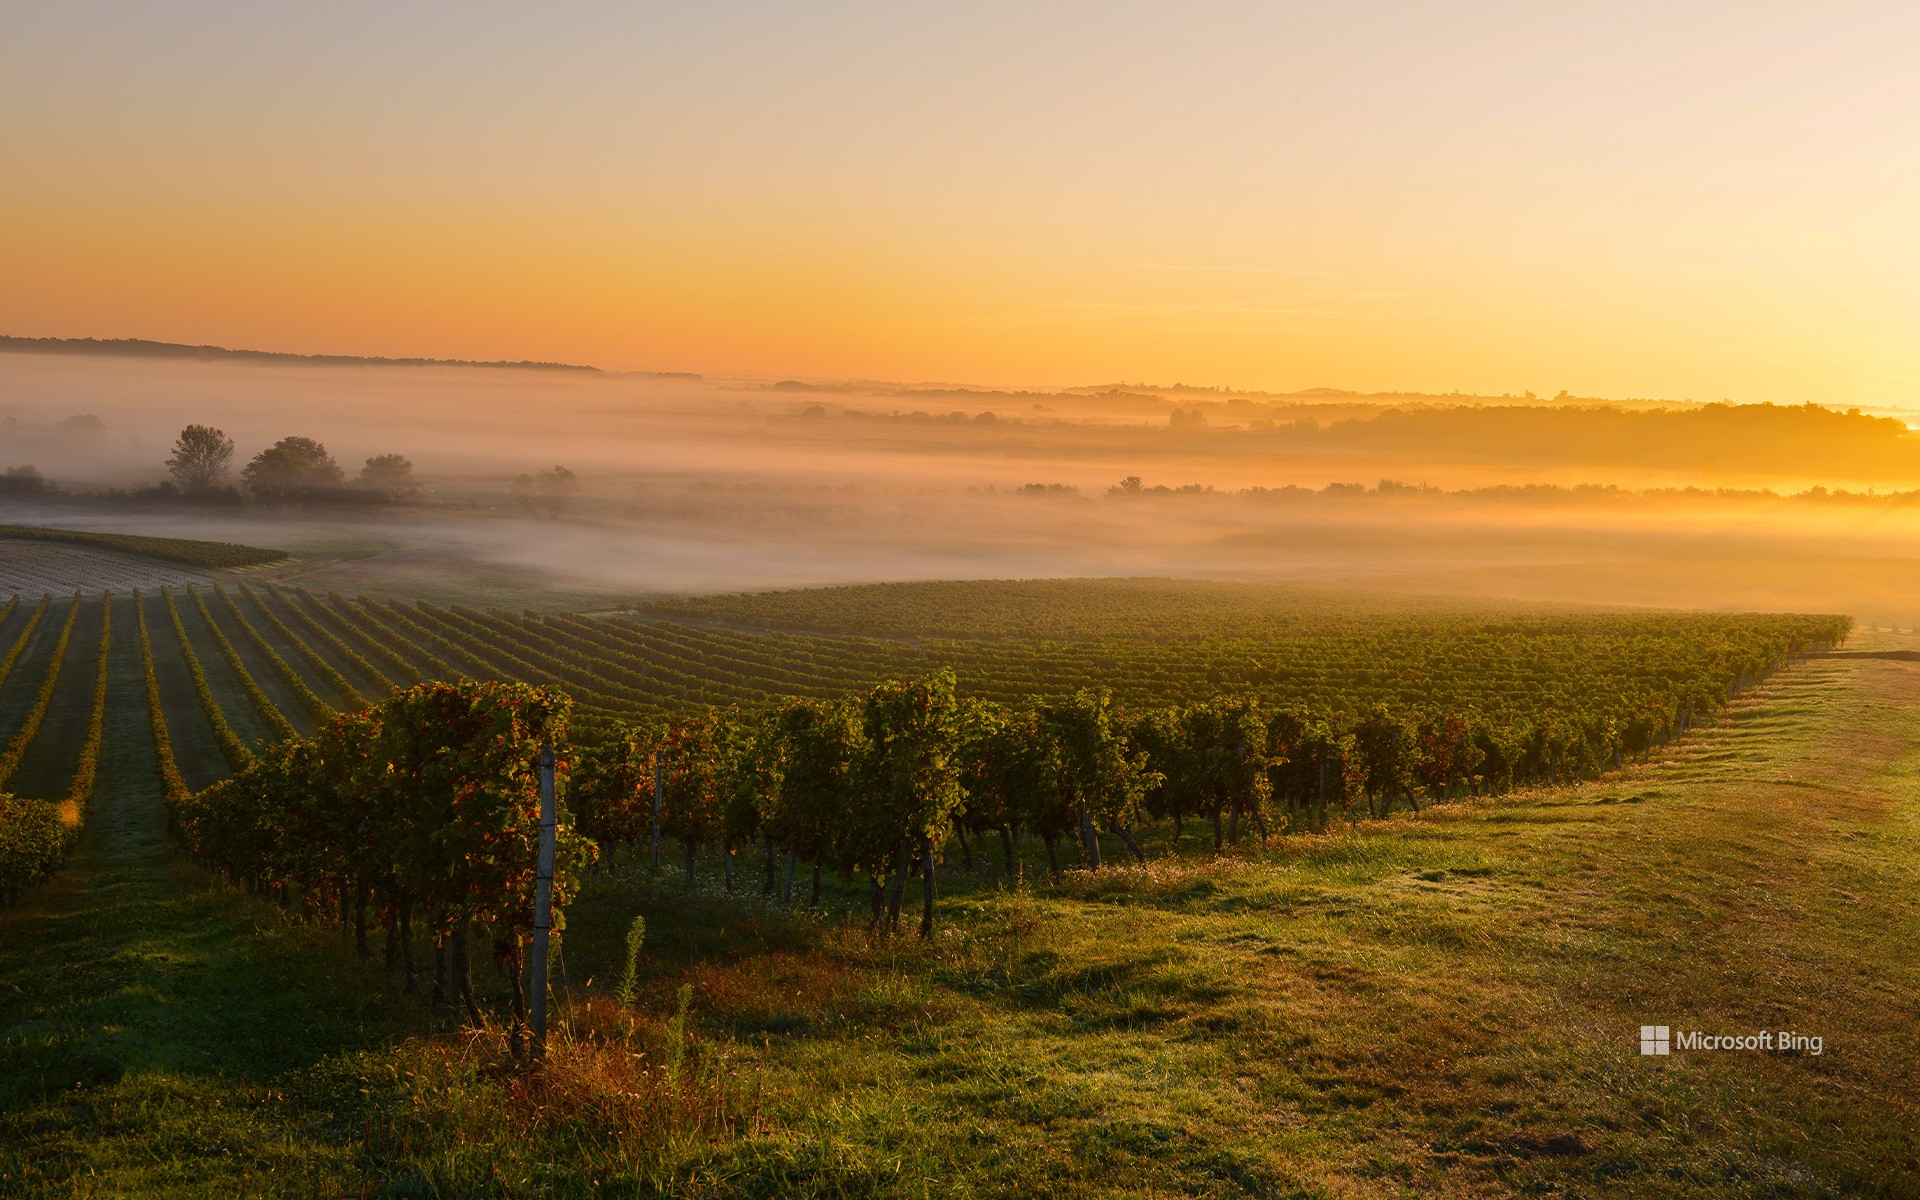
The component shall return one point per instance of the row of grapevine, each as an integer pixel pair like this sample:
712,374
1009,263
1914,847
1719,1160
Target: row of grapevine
317,709
26,634
822,778
35,834
314,630
314,660
631,667
510,649
268,710
1517,698
172,785
381,641
423,809
441,651
37,715
80,788
237,754
188,551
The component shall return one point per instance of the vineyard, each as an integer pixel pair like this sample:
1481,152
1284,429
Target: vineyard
190,552
365,768
34,568
1137,713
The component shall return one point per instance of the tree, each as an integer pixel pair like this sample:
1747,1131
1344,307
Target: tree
388,476
293,469
201,456
25,481
548,492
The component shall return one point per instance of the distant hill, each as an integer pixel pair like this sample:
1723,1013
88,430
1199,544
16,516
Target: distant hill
142,348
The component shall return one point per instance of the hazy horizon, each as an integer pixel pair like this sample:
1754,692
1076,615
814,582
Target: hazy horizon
694,486
1639,200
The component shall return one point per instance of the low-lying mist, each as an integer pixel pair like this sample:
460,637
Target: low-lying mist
689,485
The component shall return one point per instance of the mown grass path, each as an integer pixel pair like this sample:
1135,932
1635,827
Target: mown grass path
1442,1005
150,1025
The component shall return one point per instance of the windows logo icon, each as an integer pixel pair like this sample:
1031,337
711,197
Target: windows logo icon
1655,1039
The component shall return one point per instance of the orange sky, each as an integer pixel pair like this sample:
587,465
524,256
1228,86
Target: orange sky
1681,200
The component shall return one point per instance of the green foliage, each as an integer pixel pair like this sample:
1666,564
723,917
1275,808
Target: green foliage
20,643
1098,772
283,729
308,655
428,802
630,966
459,769
908,773
612,786
186,551
691,764
314,630
37,715
33,838
1213,756
1383,754
173,787
677,1037
816,743
317,708
80,788
236,752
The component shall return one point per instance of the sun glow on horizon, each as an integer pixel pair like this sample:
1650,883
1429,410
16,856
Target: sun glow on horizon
1644,200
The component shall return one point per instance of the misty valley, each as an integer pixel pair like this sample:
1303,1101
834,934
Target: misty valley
1112,791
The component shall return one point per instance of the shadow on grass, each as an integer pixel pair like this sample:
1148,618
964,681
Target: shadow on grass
155,1027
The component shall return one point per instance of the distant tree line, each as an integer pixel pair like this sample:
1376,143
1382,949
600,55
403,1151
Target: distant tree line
298,471
1133,487
547,493
292,471
26,481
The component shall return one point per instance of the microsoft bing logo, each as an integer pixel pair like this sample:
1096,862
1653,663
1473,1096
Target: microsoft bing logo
1656,1039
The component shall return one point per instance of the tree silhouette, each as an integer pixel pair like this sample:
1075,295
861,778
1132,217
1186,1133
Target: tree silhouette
201,456
548,492
389,476
292,469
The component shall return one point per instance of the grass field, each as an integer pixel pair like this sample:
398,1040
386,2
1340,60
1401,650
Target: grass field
1445,1004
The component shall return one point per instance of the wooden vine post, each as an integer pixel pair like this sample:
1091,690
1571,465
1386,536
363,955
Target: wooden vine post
543,903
